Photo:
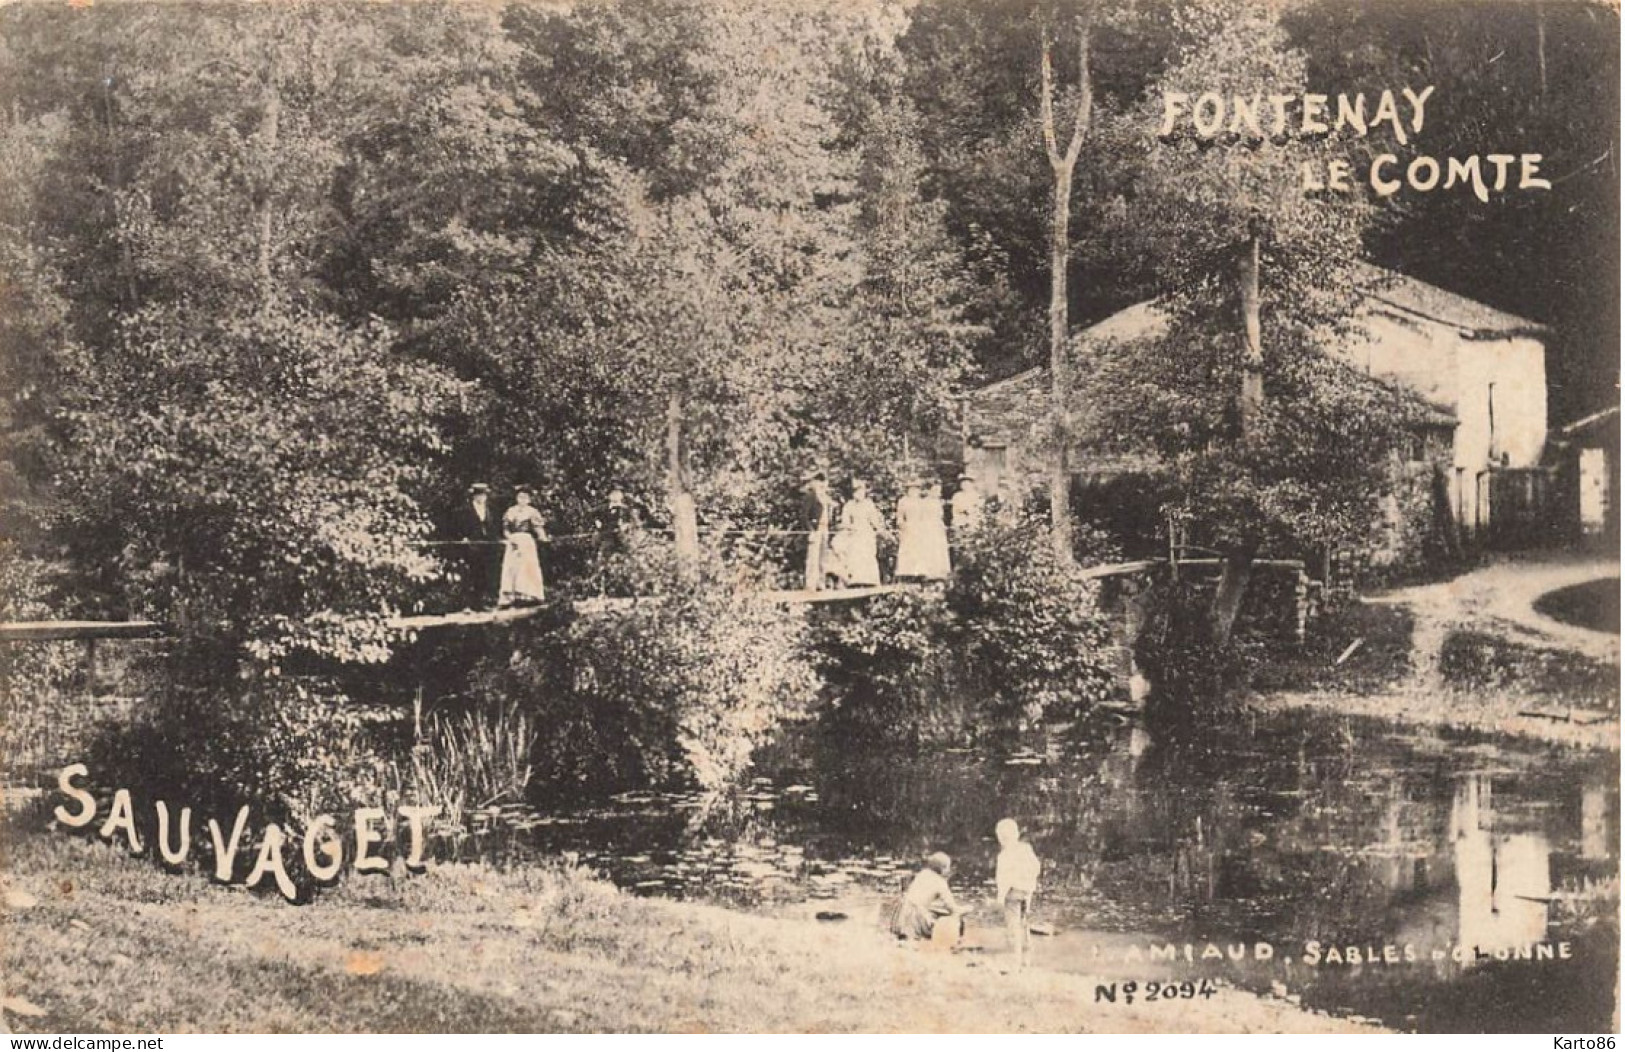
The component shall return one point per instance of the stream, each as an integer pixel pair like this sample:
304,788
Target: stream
1395,874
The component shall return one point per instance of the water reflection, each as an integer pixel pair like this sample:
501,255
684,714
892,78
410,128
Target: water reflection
1594,823
1433,880
1504,881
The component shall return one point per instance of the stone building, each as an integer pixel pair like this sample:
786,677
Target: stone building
1487,369
1475,377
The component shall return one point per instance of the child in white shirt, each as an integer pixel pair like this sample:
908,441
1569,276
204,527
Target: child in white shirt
1016,876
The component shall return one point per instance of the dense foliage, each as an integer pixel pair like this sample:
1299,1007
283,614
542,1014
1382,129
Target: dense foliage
892,671
278,281
293,748
308,292
678,689
1016,643
1035,639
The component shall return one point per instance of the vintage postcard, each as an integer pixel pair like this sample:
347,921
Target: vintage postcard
773,516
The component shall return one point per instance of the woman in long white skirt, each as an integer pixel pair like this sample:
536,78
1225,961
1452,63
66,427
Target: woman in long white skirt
911,534
854,544
934,563
522,526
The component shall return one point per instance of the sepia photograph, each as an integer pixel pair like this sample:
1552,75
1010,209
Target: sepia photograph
809,516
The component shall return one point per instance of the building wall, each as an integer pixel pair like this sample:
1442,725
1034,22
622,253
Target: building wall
1586,465
1496,388
1407,533
1501,403
1417,353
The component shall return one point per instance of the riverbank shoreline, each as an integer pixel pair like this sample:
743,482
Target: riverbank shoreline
1509,717
1471,655
97,941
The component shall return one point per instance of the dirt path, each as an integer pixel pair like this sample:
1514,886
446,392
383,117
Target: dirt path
1496,601
1500,599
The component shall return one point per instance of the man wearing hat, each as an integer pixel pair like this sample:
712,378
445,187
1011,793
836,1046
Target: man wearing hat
815,515
480,528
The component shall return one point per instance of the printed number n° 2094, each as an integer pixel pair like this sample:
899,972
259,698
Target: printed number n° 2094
1131,991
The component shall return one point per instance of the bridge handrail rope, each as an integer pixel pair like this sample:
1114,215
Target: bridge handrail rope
604,534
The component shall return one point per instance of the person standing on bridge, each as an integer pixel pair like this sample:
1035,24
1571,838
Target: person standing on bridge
967,507
480,532
816,509
855,541
523,526
922,537
619,524
937,565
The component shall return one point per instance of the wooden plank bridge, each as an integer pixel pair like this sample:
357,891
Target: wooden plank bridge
47,631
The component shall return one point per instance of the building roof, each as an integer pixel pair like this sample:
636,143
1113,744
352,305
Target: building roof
1141,321
1470,318
1426,412
991,408
1599,419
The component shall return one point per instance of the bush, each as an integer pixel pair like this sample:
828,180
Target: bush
1017,641
44,711
891,669
1035,645
674,690
1480,662
290,748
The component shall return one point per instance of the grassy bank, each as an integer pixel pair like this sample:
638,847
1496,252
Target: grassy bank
1488,716
1363,661
98,941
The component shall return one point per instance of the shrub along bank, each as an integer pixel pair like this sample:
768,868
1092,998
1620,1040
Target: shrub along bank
673,691
1014,644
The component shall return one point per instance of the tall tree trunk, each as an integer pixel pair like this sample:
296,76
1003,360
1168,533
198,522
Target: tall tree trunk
1238,560
115,208
1060,479
1540,43
1062,165
684,516
1250,401
270,131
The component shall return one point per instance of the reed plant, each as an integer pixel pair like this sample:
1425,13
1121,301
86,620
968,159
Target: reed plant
474,759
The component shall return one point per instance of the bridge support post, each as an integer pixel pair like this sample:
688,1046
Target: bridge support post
1300,627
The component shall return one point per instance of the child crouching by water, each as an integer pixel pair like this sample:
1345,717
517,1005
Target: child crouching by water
1016,877
929,910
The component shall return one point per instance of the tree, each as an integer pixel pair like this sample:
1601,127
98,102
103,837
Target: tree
1541,78
1060,366
1272,442
762,282
238,456
880,407
968,68
714,252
